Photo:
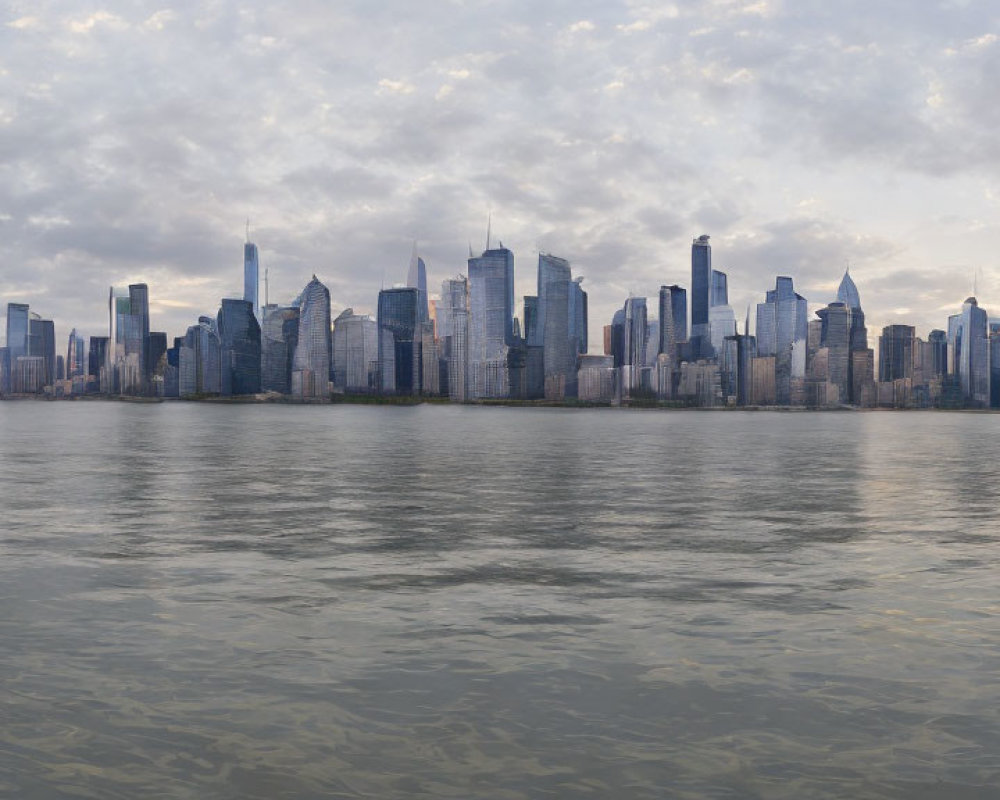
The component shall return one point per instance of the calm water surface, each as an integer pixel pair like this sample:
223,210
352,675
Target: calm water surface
207,601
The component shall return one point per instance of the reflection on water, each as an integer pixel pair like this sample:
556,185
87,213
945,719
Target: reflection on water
302,602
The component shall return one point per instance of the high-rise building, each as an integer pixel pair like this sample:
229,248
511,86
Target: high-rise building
355,352
896,349
737,368
251,275
200,360
972,345
491,323
76,358
312,361
634,330
42,344
137,332
835,338
937,340
534,344
673,331
157,350
400,341
701,286
417,279
720,289
17,330
453,336
279,337
782,329
239,341
97,361
561,324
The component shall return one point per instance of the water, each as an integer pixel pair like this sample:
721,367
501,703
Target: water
437,602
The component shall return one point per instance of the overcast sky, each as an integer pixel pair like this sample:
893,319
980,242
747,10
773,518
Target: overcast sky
136,138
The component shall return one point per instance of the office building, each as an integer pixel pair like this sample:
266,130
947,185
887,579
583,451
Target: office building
491,323
312,360
355,352
400,338
239,342
701,287
279,336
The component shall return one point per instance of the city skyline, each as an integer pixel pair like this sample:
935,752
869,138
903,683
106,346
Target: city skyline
800,137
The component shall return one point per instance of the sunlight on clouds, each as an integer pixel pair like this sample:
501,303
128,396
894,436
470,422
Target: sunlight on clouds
388,86
87,24
584,25
444,91
635,27
24,23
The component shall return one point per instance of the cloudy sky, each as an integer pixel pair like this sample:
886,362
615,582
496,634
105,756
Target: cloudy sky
136,138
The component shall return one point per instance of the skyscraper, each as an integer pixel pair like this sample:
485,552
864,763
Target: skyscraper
453,333
251,275
355,351
399,341
417,279
76,363
491,322
835,339
42,344
239,342
720,289
561,322
896,349
199,360
634,332
973,354
279,337
673,319
17,330
701,285
312,361
937,340
782,328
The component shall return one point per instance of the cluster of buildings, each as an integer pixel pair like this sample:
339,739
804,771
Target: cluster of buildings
467,344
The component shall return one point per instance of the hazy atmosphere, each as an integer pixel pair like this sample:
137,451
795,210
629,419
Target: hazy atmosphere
136,139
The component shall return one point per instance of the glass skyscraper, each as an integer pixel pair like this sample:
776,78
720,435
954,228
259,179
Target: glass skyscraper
453,334
312,362
561,323
239,340
355,352
399,341
491,323
199,360
279,337
782,328
76,359
251,275
701,285
416,278
973,354
17,330
896,348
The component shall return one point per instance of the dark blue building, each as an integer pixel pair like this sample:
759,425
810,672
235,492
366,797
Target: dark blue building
239,335
399,341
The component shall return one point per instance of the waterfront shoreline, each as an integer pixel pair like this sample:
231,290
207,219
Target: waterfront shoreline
386,400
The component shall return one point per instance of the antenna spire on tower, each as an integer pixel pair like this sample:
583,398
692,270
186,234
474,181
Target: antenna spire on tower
248,230
489,226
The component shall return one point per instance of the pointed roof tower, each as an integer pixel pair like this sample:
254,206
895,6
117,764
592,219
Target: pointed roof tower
848,292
